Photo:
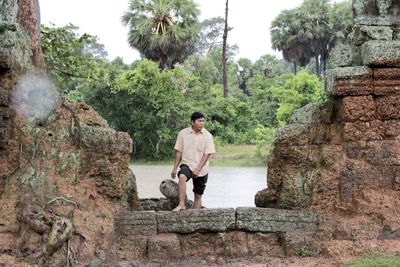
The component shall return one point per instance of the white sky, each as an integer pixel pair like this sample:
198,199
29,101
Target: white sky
250,19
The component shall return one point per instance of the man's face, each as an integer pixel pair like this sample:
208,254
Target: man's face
198,124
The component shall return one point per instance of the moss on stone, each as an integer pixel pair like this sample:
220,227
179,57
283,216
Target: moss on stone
98,138
8,11
381,53
32,179
15,48
340,56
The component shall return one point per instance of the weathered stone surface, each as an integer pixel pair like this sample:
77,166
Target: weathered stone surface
359,174
235,244
136,223
124,143
87,116
306,156
383,153
313,113
131,193
8,12
98,138
274,220
363,131
341,56
386,81
396,34
381,53
349,81
14,48
264,244
156,204
164,247
4,98
28,17
292,134
391,128
396,180
189,221
388,107
300,243
376,12
358,108
131,247
367,33
202,245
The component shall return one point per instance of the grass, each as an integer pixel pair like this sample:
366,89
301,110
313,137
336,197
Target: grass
375,260
236,156
226,156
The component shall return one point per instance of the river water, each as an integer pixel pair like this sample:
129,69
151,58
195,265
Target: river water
226,186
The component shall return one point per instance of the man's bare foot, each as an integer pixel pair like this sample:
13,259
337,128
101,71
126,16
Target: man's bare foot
179,208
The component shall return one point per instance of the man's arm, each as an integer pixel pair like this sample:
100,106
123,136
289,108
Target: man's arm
203,162
178,158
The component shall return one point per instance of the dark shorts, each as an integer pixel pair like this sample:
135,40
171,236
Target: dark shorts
199,183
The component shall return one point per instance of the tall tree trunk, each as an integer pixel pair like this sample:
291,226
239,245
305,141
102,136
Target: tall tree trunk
294,67
317,66
29,17
224,59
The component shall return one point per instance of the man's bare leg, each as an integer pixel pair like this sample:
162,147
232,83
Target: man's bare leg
197,201
182,193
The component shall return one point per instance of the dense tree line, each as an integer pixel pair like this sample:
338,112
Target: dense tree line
311,31
153,98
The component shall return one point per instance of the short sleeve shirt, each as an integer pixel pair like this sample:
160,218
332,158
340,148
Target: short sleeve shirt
193,146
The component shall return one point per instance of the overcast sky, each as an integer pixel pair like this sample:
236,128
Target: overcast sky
250,19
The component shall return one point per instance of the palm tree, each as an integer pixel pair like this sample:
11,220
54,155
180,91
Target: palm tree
285,38
315,28
164,31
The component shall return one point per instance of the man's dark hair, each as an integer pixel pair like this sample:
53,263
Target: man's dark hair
196,115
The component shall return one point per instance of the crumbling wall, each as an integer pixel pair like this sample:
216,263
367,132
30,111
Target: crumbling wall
63,175
331,151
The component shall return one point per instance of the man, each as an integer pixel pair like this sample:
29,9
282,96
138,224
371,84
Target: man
193,147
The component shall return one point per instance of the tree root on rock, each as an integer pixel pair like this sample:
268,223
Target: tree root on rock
60,233
55,230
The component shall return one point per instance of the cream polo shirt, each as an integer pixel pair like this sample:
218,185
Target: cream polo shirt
193,146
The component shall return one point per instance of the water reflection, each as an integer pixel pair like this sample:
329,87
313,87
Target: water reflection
226,187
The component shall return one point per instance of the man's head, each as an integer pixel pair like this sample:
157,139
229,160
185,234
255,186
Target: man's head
197,121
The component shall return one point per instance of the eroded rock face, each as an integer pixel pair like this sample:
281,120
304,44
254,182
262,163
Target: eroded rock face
337,157
63,176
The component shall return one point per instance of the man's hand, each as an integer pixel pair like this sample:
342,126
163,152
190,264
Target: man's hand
173,173
196,173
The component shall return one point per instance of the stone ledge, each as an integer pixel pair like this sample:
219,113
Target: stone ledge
349,81
202,220
381,53
136,223
274,220
248,219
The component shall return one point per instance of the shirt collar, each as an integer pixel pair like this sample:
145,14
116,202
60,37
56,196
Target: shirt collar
192,131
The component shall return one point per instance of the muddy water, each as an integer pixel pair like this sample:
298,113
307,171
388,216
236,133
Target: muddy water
226,187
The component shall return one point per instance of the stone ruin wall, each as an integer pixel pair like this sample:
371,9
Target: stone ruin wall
63,179
214,235
329,153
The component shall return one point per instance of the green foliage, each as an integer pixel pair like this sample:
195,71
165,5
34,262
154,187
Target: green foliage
311,31
306,252
297,92
146,103
375,260
210,35
71,60
163,31
153,105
